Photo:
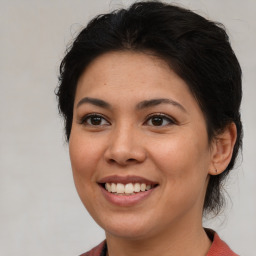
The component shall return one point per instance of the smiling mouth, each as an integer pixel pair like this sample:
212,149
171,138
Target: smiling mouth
127,189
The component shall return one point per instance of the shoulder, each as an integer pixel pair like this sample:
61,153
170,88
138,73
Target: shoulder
219,247
97,250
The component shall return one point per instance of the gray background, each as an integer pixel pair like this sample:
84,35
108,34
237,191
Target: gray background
40,212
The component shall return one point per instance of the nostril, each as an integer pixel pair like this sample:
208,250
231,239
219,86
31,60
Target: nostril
127,161
131,160
112,161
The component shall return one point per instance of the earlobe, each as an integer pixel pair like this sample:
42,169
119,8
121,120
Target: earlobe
222,149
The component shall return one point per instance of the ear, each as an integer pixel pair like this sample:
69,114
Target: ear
222,149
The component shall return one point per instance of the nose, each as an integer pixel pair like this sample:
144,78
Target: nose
125,147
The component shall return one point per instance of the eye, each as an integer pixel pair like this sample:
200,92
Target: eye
94,120
159,120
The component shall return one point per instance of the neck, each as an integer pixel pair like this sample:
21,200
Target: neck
190,240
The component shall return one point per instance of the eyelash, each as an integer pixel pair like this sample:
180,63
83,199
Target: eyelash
85,119
164,117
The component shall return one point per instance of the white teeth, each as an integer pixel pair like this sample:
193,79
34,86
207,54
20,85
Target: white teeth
108,187
143,187
113,187
119,188
129,188
137,187
148,187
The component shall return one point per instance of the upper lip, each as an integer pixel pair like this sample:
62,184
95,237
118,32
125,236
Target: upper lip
126,180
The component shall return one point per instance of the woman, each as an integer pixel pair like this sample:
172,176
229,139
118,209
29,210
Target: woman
151,97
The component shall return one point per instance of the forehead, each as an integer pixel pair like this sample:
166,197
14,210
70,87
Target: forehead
131,72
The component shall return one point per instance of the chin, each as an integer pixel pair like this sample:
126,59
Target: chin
128,228
130,233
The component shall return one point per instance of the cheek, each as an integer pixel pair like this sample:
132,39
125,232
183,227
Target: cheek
184,177
83,161
84,151
184,150
84,158
183,161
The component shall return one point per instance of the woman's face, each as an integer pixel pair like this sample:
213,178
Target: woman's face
136,124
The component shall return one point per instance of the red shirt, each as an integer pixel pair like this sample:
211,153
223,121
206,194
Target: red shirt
218,248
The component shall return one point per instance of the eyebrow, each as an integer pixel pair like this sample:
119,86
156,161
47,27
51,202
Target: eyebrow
94,101
155,102
142,105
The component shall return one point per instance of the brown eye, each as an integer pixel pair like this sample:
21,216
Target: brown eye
95,120
159,120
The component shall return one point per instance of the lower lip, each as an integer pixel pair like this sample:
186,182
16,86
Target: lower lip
123,200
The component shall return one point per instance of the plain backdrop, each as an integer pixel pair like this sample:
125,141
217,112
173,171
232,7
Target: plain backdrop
40,212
